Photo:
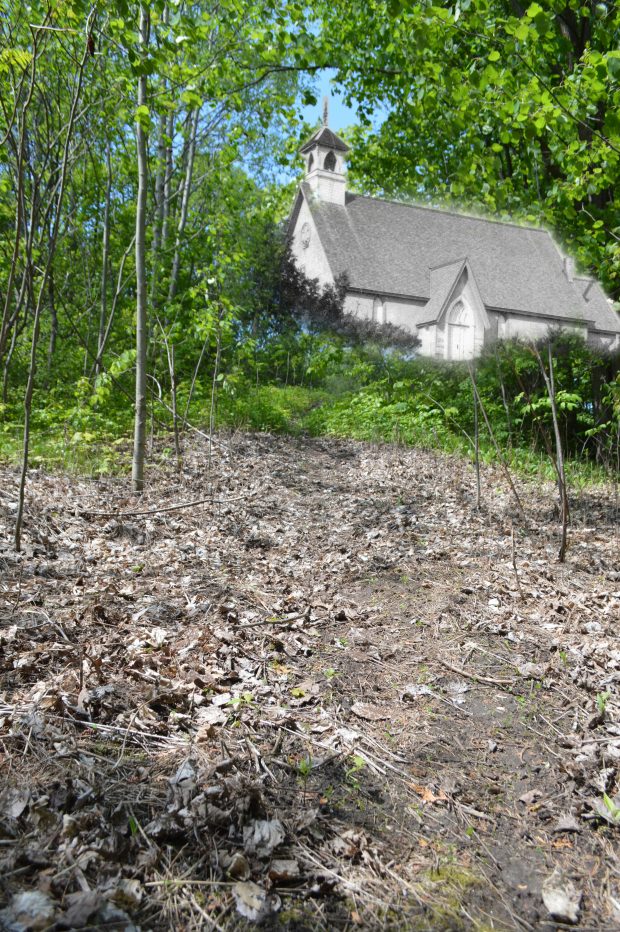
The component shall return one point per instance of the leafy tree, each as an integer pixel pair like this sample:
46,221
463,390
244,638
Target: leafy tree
513,108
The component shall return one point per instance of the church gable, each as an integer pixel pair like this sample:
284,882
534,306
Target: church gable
306,245
455,314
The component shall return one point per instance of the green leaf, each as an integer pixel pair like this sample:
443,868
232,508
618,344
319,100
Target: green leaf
522,32
613,64
143,116
494,55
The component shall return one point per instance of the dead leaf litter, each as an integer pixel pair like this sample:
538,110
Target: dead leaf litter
322,701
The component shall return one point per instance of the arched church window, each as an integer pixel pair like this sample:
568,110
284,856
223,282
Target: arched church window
460,314
310,162
330,162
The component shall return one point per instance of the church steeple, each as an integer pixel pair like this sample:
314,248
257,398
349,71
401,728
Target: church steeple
325,153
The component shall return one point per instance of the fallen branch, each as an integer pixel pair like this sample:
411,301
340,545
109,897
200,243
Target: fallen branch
157,511
490,681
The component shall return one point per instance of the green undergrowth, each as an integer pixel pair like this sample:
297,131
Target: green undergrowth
370,417
278,409
90,443
362,393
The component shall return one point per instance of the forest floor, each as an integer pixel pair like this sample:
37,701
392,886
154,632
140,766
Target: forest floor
337,696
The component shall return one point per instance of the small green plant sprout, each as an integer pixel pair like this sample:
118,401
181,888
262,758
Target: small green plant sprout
352,774
601,701
304,769
239,702
614,810
330,673
563,657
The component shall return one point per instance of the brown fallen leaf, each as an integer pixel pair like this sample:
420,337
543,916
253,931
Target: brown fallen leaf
30,909
239,869
561,897
427,794
371,713
283,870
263,836
567,823
253,902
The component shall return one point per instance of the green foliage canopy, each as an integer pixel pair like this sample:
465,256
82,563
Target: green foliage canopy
511,107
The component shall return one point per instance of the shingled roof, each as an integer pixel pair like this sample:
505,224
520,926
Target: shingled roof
389,248
324,136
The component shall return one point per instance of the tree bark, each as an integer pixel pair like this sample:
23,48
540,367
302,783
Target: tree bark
500,456
564,507
105,262
5,324
187,186
472,375
51,348
139,443
42,288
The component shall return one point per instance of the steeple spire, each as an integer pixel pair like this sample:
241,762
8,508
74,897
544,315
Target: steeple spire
326,111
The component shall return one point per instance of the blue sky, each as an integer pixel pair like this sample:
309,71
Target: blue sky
340,116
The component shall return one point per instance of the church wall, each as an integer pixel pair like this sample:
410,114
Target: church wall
428,340
399,312
312,260
404,313
521,327
434,337
360,305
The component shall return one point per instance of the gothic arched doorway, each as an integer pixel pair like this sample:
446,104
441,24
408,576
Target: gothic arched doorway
460,331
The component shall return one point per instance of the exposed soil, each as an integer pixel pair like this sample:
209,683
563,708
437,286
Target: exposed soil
337,697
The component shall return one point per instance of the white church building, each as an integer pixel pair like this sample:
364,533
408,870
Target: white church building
459,282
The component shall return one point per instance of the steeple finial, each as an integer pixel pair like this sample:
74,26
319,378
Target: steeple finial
326,111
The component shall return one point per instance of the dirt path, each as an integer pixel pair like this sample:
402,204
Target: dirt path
326,702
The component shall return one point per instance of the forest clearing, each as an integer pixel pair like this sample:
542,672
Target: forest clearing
334,696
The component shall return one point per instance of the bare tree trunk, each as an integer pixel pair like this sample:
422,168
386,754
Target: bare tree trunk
502,389
105,262
5,324
42,288
139,443
472,375
187,187
175,418
173,393
51,349
194,377
7,367
559,454
159,215
500,455
120,287
216,368
164,143
167,182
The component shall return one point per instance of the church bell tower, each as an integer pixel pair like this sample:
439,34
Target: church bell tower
325,154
